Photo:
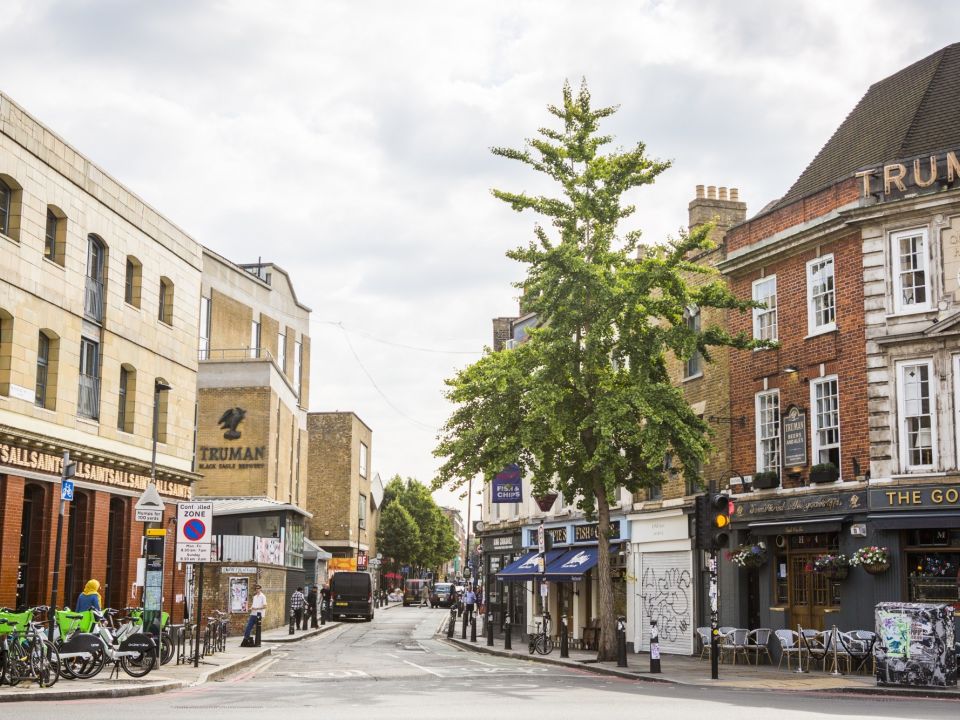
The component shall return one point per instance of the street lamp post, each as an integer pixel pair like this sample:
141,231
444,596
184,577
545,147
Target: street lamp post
153,606
466,550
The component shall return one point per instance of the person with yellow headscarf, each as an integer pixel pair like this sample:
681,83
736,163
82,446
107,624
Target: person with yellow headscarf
90,597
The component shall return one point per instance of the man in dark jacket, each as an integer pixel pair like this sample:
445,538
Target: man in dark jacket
312,598
325,600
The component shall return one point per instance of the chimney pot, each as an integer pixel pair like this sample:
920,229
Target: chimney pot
711,192
734,194
723,193
699,192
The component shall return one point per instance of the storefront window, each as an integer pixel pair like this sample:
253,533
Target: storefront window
933,574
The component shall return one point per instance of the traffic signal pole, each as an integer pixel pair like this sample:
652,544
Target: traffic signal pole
714,618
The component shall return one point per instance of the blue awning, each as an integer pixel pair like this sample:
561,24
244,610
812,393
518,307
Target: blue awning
572,565
527,567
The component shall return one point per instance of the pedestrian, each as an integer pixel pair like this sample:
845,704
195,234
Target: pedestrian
424,595
469,602
258,607
325,600
90,598
297,605
312,598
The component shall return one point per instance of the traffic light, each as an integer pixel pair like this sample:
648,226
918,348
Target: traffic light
720,511
704,529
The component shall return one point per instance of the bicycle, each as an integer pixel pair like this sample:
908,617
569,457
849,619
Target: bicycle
540,641
167,645
24,653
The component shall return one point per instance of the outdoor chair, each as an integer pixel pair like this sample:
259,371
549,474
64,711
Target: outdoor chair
817,645
734,643
758,641
789,647
703,633
858,646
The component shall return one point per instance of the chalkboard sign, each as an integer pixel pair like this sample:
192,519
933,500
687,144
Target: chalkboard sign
793,429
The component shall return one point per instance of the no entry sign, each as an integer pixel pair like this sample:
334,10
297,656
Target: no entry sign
193,532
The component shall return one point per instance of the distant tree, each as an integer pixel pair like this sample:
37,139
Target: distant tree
586,406
398,535
436,542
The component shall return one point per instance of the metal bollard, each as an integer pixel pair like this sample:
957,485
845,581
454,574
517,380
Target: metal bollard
257,630
452,622
323,613
654,647
489,629
473,629
564,640
290,629
507,645
463,629
621,641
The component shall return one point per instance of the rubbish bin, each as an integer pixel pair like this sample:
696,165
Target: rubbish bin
915,645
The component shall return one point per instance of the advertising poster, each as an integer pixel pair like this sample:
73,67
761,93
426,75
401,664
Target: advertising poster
239,593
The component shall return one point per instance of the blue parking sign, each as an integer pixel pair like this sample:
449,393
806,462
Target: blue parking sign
66,490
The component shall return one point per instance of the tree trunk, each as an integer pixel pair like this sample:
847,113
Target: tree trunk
607,645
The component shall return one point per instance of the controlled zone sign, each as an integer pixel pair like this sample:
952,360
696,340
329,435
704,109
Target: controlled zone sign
194,526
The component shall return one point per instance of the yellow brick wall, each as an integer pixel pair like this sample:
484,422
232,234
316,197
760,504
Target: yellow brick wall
229,326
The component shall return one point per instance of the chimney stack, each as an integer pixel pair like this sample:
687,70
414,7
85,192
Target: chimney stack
721,206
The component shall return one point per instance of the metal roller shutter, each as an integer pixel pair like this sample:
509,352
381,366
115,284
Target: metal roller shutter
665,585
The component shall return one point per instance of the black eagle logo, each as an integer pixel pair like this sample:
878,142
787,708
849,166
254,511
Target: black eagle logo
230,420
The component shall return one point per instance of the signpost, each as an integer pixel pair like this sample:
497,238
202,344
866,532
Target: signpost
194,526
149,507
67,471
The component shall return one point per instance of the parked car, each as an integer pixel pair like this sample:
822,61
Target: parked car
351,595
442,595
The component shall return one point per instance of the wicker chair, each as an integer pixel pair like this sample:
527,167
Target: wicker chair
789,647
758,641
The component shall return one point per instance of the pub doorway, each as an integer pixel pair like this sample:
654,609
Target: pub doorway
31,566
810,595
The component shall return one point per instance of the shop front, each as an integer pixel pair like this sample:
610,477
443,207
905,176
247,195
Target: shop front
502,596
101,538
662,585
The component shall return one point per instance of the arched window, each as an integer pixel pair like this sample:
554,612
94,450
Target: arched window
132,281
161,398
10,199
55,238
118,529
77,569
165,309
6,350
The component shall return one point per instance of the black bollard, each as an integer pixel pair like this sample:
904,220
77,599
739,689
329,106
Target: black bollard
621,641
507,645
258,630
290,629
473,629
452,622
564,640
489,629
654,647
323,613
463,629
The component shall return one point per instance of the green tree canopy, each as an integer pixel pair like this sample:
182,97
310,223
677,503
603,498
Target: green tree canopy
398,534
436,542
586,405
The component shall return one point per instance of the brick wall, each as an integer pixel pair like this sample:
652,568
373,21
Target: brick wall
840,352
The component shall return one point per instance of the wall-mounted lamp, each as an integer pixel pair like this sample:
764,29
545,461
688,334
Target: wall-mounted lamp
791,369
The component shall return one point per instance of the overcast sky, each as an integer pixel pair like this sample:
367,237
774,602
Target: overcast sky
348,142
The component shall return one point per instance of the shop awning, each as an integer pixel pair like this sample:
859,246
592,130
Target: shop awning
803,525
914,521
572,565
527,567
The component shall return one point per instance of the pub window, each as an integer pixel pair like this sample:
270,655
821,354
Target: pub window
911,280
765,318
768,430
825,400
933,563
821,298
916,406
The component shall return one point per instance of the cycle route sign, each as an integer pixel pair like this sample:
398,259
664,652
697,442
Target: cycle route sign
194,526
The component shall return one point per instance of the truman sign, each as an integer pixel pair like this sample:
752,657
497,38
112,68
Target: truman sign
910,176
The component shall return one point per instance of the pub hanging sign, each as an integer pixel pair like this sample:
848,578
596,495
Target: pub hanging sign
793,427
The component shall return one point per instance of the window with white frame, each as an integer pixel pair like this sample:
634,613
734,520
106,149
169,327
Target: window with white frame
825,401
254,339
916,406
911,279
363,459
821,297
765,318
768,430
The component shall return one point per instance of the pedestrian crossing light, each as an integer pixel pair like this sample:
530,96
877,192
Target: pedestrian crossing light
720,511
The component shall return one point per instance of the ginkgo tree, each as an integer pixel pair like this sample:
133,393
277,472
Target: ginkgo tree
585,406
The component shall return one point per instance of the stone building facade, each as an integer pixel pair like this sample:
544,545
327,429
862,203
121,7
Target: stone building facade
98,299
339,493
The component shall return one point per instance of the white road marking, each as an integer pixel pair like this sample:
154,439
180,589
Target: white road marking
425,669
481,662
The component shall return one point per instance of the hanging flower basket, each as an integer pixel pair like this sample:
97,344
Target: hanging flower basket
545,501
873,559
835,567
748,556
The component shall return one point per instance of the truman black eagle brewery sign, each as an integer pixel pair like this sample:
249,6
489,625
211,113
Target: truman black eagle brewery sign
232,456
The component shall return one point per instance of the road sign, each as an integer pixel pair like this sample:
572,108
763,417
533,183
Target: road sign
66,490
194,520
149,507
541,538
374,562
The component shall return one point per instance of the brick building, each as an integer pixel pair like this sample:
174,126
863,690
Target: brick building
856,268
98,300
341,495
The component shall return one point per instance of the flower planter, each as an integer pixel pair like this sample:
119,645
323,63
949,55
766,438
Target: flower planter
837,573
545,502
765,480
877,568
824,475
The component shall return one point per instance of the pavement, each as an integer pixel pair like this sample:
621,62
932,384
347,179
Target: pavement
170,676
692,671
